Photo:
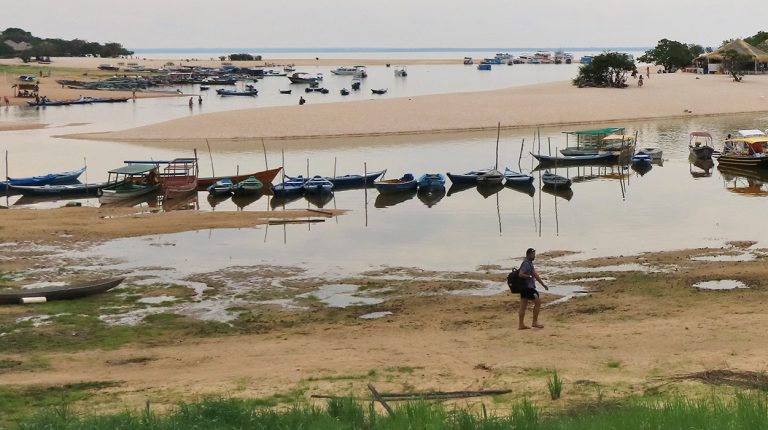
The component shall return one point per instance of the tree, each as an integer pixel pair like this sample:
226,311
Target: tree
735,63
608,69
757,39
695,49
671,54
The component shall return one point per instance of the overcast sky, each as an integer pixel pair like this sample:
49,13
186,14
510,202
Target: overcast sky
387,23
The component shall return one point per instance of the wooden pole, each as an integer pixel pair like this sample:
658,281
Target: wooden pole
264,147
378,397
210,155
519,158
334,167
498,136
7,181
365,190
282,151
307,168
549,143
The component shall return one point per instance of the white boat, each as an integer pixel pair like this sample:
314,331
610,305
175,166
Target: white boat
358,71
556,181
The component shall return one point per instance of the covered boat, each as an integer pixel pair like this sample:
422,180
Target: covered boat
64,292
247,187
129,182
745,152
588,142
179,177
700,144
405,183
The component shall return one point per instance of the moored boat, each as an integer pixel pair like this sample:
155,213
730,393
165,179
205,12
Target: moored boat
700,144
179,177
291,187
379,91
49,179
588,142
516,178
251,92
431,180
317,184
466,178
63,292
405,183
247,187
129,182
304,78
575,159
355,180
492,176
745,152
221,188
265,176
59,190
556,181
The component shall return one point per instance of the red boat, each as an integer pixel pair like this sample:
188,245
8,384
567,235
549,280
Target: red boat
266,177
179,178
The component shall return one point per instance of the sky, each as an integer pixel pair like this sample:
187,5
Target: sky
387,23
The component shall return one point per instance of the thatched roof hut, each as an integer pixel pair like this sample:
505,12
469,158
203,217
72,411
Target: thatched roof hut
713,60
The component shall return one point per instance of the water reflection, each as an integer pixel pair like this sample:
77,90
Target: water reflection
457,188
320,199
391,199
703,166
563,193
487,190
642,167
431,195
242,201
749,182
214,200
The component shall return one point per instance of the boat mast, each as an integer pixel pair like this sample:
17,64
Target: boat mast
498,135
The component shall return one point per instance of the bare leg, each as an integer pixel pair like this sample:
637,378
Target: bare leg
523,307
536,308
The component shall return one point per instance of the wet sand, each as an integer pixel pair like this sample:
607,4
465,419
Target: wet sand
552,104
15,126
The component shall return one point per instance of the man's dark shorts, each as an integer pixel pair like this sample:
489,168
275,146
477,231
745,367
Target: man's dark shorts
530,294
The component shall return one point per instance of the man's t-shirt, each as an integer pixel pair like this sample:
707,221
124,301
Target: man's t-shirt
527,268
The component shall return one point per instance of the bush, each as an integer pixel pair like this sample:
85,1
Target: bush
608,69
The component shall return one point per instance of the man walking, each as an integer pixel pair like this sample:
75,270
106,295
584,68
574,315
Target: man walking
528,273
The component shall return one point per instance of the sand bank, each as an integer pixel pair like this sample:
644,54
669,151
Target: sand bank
551,104
13,126
85,223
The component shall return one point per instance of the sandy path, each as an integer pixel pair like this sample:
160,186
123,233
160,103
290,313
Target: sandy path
663,96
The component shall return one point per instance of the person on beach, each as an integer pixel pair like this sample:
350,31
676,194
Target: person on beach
529,274
200,100
301,100
640,81
647,71
7,102
190,102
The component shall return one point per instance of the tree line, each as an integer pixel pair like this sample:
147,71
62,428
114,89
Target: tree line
53,47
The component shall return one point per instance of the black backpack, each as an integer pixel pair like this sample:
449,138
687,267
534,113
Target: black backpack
515,283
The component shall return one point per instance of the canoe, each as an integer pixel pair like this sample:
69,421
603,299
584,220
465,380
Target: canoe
248,187
516,178
572,159
556,181
285,91
355,180
317,184
127,190
266,177
466,178
406,183
291,187
221,188
59,190
223,92
379,91
490,177
65,292
431,180
655,153
49,179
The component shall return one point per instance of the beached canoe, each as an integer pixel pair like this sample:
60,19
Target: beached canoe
65,292
49,179
59,190
265,176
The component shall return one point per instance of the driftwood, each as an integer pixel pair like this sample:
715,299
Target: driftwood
432,395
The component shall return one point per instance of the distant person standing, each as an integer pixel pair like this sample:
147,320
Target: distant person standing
200,100
528,273
640,81
647,71
301,100
190,103
7,102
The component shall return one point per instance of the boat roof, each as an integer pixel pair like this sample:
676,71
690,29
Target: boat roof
751,140
619,137
597,131
700,134
750,133
134,169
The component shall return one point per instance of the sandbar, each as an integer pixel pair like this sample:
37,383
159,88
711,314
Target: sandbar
549,104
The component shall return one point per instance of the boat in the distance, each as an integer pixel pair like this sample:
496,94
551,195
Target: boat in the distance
223,92
63,292
358,71
305,78
265,176
405,183
248,186
700,144
379,90
516,178
555,181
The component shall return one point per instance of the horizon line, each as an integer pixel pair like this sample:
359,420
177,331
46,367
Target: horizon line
390,49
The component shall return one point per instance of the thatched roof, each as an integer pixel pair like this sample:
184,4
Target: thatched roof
741,47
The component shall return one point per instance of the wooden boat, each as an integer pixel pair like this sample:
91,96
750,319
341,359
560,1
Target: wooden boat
745,152
247,187
204,88
355,180
379,91
575,159
49,179
344,92
291,187
516,178
179,177
492,176
466,178
65,292
589,142
430,196
129,182
285,91
700,144
223,92
59,190
431,180
221,188
317,184
385,200
641,158
265,176
654,153
405,183
304,78
556,181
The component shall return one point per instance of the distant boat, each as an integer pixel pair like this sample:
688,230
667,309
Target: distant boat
379,91
64,292
317,184
468,61
223,92
431,180
556,181
401,71
108,67
204,88
304,78
516,178
405,183
285,91
358,71
221,187
344,92
483,67
575,159
356,84
247,187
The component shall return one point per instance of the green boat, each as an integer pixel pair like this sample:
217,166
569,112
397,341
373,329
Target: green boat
247,187
130,181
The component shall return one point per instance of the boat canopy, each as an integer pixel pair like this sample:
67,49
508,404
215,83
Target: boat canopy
751,140
750,133
619,137
134,169
700,134
598,131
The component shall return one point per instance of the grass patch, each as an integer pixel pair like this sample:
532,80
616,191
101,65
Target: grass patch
614,364
741,412
555,386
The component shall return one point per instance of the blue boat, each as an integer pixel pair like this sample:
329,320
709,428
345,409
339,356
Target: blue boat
221,187
576,159
641,157
49,179
248,187
223,92
318,184
355,181
432,180
292,187
467,178
59,190
406,183
516,178
483,67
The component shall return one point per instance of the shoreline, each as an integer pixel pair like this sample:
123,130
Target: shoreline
555,104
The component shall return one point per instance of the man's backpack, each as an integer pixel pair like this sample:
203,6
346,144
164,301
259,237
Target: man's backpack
515,283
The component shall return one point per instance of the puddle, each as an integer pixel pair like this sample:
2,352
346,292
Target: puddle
157,299
286,304
340,296
737,257
722,284
375,315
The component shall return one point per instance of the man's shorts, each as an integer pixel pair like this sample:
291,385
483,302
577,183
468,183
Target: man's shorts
530,294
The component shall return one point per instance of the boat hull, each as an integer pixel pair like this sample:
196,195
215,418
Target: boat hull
743,161
266,177
73,291
112,195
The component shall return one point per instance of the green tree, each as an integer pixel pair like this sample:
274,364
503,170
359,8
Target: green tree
670,53
757,39
695,49
736,63
608,69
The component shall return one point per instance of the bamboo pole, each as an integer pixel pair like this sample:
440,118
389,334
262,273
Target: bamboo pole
365,190
282,152
7,180
264,147
520,157
334,167
549,144
210,155
498,136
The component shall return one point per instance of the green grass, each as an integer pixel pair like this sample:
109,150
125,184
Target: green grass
744,411
555,386
614,364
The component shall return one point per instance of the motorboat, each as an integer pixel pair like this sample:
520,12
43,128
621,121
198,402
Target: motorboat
700,144
356,83
745,152
400,71
357,71
305,78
